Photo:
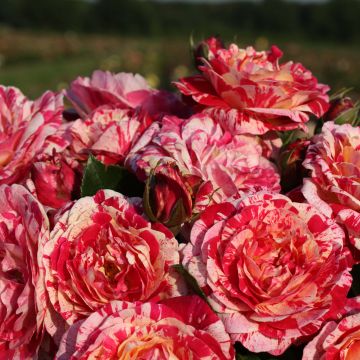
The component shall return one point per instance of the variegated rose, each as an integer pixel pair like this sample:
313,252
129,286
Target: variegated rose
108,134
334,184
180,328
122,90
201,147
251,92
102,249
24,126
23,224
273,270
338,340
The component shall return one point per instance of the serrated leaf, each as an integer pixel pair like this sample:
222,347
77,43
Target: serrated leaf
99,176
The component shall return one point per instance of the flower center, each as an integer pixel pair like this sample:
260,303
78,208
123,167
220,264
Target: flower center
148,346
111,270
353,348
5,158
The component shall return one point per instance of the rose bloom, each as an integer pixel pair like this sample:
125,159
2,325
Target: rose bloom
251,92
334,161
101,249
23,224
56,171
179,328
338,340
24,127
202,148
122,90
273,270
108,134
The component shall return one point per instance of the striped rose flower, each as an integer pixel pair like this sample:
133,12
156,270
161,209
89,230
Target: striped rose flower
122,90
338,340
24,126
201,147
274,270
108,133
180,328
23,224
101,249
251,92
333,187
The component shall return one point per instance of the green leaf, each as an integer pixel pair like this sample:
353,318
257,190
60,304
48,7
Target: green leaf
99,176
340,93
350,116
190,281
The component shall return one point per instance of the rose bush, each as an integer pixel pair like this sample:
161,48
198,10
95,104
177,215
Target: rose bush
273,270
180,328
102,249
24,127
201,147
251,92
103,275
23,224
334,160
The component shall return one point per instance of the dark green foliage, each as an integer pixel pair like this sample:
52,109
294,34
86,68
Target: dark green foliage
335,20
99,176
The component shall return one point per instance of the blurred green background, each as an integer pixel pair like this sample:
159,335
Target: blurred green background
45,44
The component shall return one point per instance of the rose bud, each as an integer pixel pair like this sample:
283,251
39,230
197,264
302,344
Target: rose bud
290,164
168,197
54,180
342,110
206,47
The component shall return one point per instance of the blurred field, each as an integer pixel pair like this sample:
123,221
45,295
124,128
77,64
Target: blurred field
35,61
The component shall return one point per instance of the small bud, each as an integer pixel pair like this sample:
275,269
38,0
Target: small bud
290,160
206,49
342,111
168,197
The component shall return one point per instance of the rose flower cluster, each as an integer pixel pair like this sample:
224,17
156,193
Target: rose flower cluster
221,221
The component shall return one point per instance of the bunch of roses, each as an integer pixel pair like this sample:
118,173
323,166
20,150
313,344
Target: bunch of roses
239,240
